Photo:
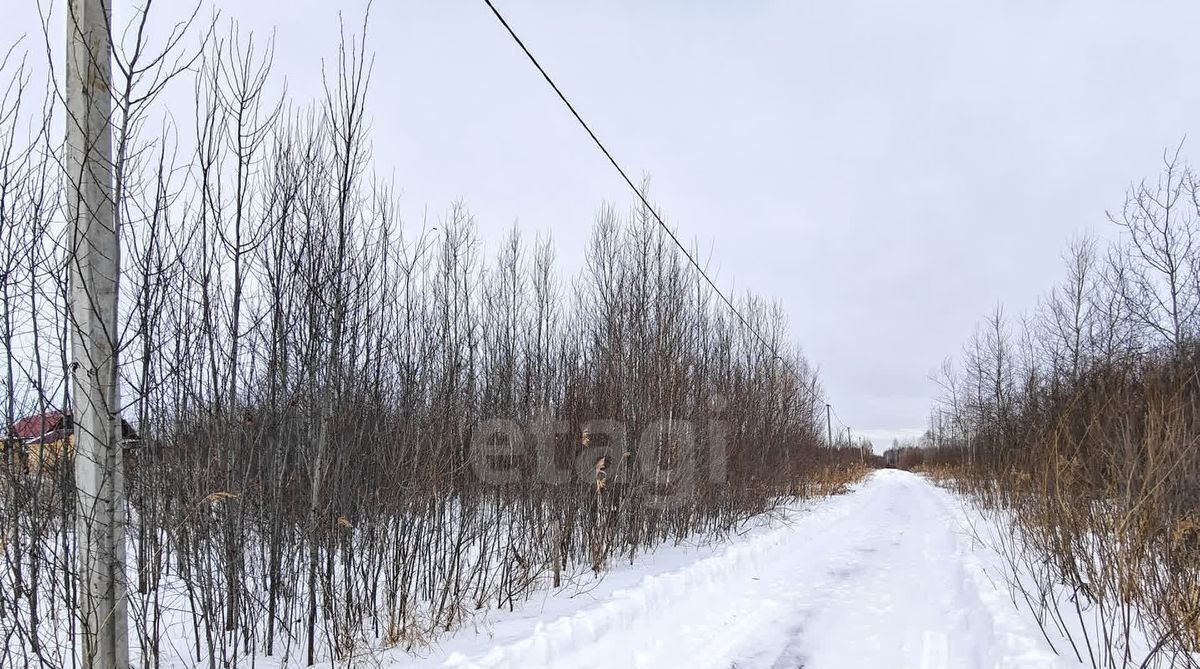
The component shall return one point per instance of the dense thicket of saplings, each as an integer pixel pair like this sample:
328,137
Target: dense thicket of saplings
1082,422
353,432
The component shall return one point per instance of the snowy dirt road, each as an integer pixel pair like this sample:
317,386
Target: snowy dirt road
886,577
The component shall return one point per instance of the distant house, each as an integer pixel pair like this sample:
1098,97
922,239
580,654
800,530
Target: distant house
44,438
31,428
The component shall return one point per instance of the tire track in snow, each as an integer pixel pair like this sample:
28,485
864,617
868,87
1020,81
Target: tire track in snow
880,577
920,604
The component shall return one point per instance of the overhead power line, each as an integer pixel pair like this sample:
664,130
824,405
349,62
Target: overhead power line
839,419
637,191
629,181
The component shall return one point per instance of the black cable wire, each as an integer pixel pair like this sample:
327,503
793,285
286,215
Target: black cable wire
839,418
512,33
629,181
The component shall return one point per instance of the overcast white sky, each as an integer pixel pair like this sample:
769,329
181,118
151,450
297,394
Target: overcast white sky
889,170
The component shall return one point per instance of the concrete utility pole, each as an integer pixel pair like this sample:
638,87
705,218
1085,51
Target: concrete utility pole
94,265
829,425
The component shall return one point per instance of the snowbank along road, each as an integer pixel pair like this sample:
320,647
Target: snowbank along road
885,577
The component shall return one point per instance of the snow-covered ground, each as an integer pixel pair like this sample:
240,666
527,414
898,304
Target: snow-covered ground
887,576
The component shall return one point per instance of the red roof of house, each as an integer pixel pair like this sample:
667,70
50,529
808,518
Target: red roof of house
32,427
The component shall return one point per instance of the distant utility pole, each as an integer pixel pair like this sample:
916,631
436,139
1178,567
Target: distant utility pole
94,257
829,425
